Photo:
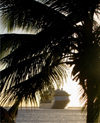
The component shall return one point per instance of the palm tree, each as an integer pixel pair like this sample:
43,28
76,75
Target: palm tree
64,33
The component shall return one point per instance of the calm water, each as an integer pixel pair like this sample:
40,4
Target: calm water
28,115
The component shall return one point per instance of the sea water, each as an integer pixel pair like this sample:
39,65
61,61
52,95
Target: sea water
36,115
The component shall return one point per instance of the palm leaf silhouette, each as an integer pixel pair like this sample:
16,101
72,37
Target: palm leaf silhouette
37,60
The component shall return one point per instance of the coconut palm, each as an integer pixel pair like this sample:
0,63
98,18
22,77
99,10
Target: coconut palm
63,32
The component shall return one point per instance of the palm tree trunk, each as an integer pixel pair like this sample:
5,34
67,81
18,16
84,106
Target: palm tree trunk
90,110
90,96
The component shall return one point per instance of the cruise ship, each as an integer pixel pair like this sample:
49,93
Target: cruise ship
60,100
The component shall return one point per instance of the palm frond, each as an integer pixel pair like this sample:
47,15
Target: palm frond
26,15
51,73
70,6
24,68
6,46
23,14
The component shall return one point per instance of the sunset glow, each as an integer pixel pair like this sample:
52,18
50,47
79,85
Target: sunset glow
73,88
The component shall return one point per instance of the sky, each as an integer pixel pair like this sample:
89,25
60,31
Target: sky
74,89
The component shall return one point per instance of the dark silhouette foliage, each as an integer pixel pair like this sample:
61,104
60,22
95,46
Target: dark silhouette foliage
65,33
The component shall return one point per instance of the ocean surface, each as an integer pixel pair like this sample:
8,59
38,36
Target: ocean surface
36,115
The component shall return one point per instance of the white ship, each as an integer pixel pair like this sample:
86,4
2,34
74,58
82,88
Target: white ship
61,99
